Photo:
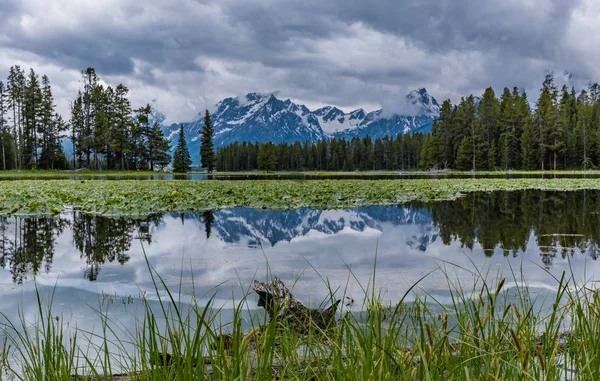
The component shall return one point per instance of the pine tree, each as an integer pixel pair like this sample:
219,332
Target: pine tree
143,123
182,161
4,135
267,157
51,129
207,151
160,148
464,156
16,90
467,125
530,147
488,112
443,145
31,119
545,120
428,160
121,125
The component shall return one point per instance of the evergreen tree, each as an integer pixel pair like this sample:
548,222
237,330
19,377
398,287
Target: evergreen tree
182,161
16,91
207,151
467,125
143,124
31,119
464,156
4,133
51,130
267,157
428,159
488,112
530,147
160,148
545,122
121,125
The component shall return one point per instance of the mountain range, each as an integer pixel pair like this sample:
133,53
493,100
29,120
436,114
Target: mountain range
263,118
261,228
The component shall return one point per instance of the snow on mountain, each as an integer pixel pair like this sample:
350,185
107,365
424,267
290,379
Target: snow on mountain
424,103
263,118
419,109
256,227
333,120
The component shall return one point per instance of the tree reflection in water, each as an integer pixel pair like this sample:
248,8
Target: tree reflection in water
561,224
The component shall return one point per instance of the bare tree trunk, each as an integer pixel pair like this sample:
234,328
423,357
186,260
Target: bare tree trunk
3,154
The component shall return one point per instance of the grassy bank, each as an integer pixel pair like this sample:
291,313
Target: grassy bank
479,336
139,198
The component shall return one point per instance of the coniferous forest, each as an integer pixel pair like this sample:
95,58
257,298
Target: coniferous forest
561,131
105,131
391,153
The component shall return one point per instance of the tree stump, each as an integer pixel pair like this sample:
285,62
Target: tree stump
283,307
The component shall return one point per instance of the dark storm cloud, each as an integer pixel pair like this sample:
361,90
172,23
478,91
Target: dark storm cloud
346,52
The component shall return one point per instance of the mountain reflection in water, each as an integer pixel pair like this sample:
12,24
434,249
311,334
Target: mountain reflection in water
548,225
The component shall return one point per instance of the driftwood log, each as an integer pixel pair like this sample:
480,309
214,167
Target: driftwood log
283,307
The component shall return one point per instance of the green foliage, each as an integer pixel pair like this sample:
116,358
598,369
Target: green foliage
561,133
182,161
207,150
158,155
464,157
267,158
400,153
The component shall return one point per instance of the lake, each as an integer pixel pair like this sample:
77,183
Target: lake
88,260
91,267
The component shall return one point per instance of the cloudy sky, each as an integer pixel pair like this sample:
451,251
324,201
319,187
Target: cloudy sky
185,55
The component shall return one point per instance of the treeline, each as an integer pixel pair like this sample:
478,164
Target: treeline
27,245
561,132
30,129
106,133
389,153
504,222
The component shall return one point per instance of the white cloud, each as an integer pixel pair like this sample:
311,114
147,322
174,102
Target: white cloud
186,55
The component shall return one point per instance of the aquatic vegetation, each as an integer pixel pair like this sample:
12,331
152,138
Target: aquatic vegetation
480,334
141,198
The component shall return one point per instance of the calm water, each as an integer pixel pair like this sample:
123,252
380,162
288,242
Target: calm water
86,257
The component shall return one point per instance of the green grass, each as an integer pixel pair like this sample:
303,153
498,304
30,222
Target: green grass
479,336
140,198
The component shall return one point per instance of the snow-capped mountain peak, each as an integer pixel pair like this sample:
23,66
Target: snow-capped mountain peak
425,103
258,117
